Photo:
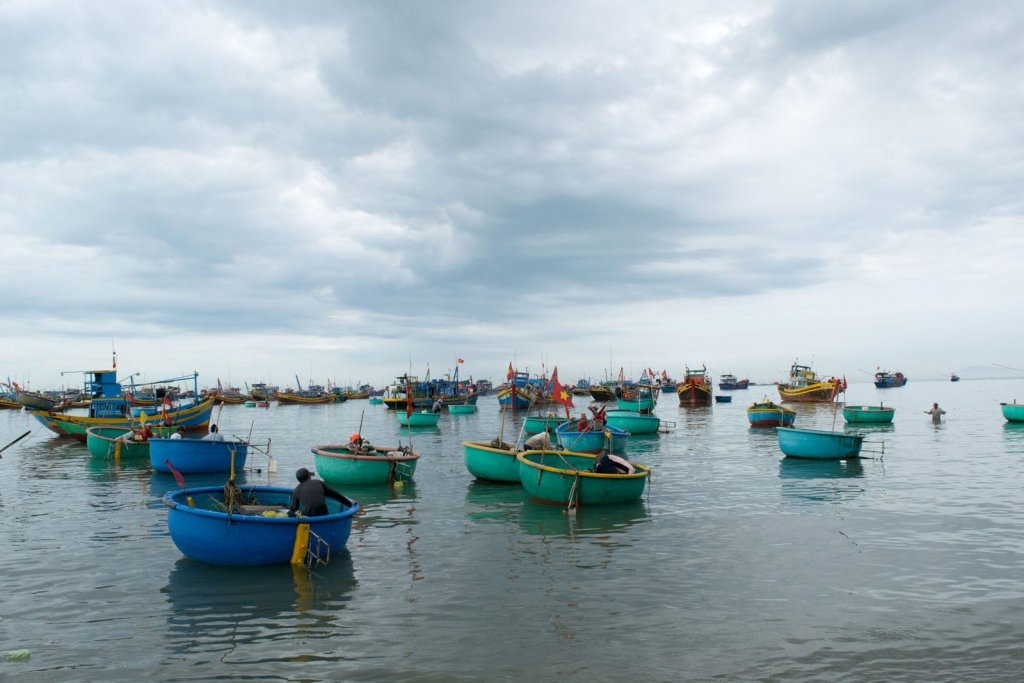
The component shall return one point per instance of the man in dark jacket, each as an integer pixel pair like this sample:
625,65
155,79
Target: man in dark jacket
309,498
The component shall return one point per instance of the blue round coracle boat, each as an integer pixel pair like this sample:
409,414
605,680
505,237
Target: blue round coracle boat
255,533
196,456
591,441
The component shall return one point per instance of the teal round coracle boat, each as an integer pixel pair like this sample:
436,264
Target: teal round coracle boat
420,419
1013,412
568,479
535,424
868,414
818,445
638,405
465,409
116,442
490,461
610,438
633,422
343,465
376,401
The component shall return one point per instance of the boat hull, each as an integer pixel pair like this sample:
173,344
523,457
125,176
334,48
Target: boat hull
602,394
562,477
535,424
104,442
34,401
1013,412
818,445
192,418
868,414
638,405
520,399
197,456
7,404
693,394
467,409
421,419
819,392
769,414
633,422
216,537
338,465
591,441
491,464
292,399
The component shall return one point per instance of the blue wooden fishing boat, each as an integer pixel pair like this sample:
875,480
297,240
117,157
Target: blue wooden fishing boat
568,479
633,421
719,398
868,414
348,465
535,424
769,414
818,445
1013,412
492,461
423,418
197,456
258,532
887,380
519,394
591,441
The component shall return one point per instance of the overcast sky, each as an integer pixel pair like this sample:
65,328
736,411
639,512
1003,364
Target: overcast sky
339,190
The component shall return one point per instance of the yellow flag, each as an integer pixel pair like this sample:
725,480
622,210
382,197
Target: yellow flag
142,418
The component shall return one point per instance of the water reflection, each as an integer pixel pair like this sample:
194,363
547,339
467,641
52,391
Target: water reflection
821,480
218,609
488,502
589,520
865,428
1013,435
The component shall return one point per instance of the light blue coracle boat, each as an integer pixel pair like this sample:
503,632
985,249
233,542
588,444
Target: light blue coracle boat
344,465
633,422
420,419
611,438
818,445
1013,412
568,479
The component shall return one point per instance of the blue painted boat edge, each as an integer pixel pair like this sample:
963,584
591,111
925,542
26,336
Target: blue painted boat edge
176,500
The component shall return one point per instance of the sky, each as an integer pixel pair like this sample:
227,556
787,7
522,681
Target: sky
347,191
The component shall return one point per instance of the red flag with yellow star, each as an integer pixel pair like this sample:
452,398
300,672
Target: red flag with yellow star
560,394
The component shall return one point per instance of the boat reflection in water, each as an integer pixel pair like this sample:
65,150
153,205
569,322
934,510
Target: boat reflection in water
220,609
490,502
588,520
821,481
1013,435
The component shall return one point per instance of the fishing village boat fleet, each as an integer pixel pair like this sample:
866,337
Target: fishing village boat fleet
110,407
888,380
804,386
208,526
694,389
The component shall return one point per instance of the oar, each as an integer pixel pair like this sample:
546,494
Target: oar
15,441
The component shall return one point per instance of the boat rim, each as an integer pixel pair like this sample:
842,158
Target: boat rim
176,500
823,432
641,470
321,451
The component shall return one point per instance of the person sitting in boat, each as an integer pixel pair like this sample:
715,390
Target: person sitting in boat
309,498
597,422
583,425
538,442
178,433
214,434
613,464
143,434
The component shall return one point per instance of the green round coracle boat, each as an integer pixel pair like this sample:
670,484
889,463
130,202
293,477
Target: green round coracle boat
342,465
116,442
420,419
633,421
868,414
465,409
535,424
490,461
565,478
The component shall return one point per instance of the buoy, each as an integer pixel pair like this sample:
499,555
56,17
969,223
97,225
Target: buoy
399,485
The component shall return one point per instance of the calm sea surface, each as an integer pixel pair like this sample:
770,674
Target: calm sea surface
737,565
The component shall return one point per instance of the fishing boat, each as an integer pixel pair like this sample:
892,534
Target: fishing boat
642,397
8,398
610,438
804,386
567,478
464,409
518,394
603,392
35,400
197,456
396,396
768,414
258,532
110,407
228,395
492,461
347,465
535,424
695,388
818,445
261,391
868,414
1013,412
954,377
633,421
8,404
117,442
887,380
729,382
423,418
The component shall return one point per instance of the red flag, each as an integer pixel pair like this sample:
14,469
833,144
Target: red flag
460,361
559,394
511,373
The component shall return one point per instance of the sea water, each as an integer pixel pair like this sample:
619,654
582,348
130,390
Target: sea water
737,564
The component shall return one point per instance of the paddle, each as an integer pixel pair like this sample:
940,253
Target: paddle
15,441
